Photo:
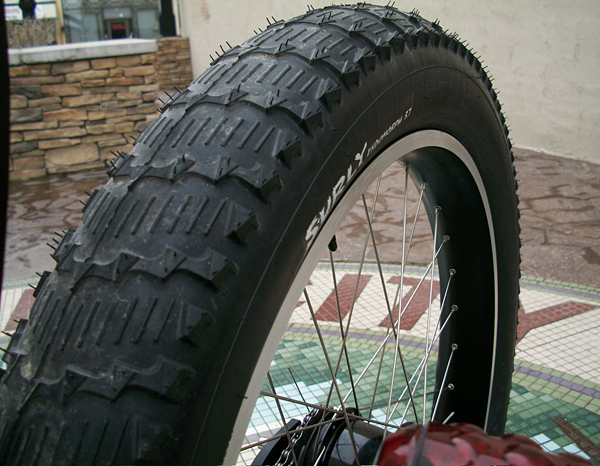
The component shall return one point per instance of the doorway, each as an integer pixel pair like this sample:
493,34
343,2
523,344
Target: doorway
118,28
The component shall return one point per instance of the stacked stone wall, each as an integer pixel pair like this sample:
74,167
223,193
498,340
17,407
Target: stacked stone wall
73,115
174,68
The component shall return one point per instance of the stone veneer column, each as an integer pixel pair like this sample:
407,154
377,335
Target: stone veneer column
173,65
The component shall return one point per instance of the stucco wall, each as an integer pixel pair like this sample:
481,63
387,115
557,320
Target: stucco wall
543,54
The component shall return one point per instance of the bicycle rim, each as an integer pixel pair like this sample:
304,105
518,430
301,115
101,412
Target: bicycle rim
437,163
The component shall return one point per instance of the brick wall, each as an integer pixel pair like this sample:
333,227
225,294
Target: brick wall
71,115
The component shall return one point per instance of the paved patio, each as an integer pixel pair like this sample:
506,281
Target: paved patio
559,200
556,385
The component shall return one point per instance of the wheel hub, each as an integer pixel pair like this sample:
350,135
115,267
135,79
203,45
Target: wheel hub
323,438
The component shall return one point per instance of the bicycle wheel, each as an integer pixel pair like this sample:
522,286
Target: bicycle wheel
151,340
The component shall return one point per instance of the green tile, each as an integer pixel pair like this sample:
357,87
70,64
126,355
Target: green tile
519,389
580,402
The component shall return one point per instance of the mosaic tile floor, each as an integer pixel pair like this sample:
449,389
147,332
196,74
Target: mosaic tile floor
555,396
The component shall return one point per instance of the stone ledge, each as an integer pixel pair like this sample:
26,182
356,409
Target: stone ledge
81,51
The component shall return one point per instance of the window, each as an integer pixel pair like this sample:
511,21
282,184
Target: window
147,22
87,20
81,27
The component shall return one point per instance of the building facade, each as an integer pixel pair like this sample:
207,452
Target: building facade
87,20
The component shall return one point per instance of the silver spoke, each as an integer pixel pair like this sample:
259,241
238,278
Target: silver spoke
311,427
333,378
326,408
278,436
360,269
448,418
420,367
287,432
373,242
362,261
364,253
343,349
436,335
435,230
445,240
442,385
371,407
351,312
340,319
412,232
390,333
451,274
423,362
405,257
397,352
296,384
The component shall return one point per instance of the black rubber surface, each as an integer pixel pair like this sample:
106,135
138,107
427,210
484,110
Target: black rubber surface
4,139
141,342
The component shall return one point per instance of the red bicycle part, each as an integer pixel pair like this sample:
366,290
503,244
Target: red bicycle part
466,444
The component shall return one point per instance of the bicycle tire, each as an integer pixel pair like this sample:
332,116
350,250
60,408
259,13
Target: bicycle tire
142,343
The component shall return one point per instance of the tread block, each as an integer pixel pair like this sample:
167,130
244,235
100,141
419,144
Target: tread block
154,442
168,172
161,266
111,271
13,348
188,99
366,60
350,24
398,43
179,97
64,247
384,51
213,166
212,267
90,200
331,97
62,391
165,378
171,101
213,170
424,39
265,181
193,323
41,283
69,385
288,151
94,215
240,223
350,75
119,161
